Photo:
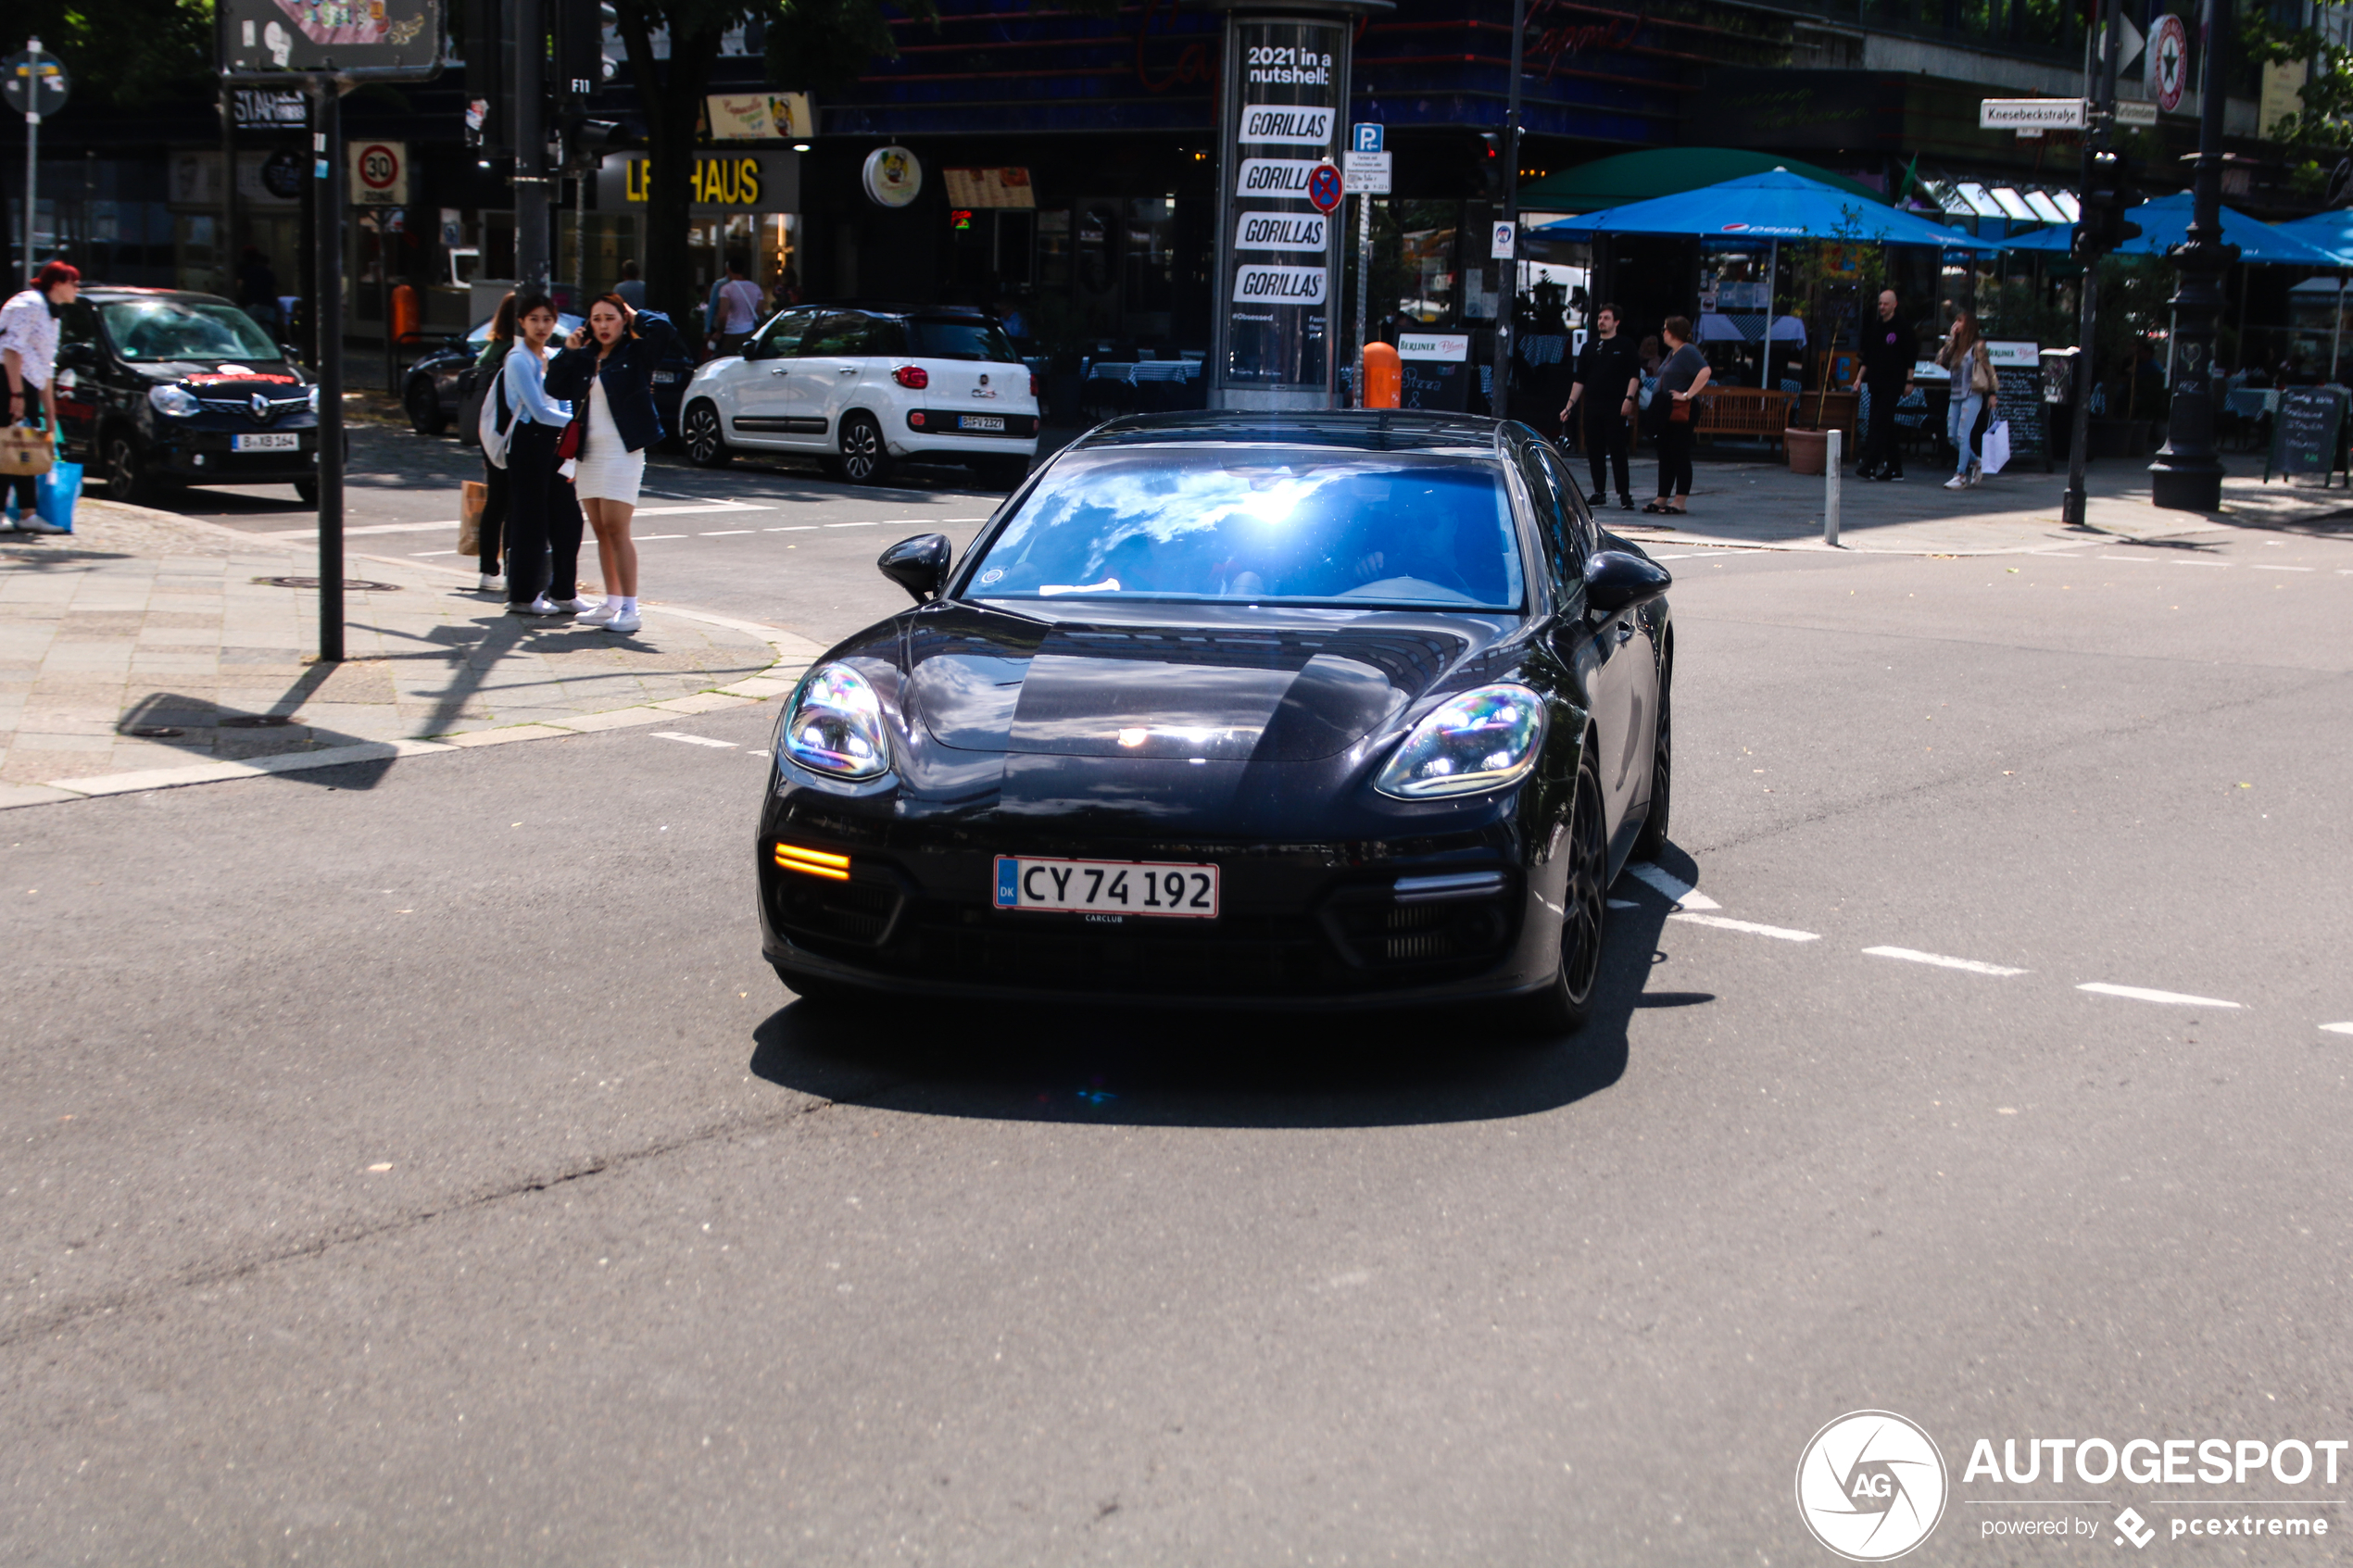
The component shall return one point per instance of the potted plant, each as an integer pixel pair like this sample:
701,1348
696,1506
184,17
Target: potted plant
1824,269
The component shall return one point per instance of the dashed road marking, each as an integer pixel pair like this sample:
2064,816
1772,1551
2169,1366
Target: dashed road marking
1781,932
2268,566
1681,894
874,524
420,554
793,528
721,533
1941,960
2136,561
693,740
649,538
2142,994
2338,1028
2223,564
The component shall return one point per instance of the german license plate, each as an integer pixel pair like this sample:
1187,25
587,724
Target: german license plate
273,441
663,378
1117,887
980,422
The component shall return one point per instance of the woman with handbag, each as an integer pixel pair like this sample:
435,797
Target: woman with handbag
607,369
543,514
494,478
1973,388
1682,377
28,350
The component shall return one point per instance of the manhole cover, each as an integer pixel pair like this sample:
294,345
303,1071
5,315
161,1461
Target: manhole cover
350,584
256,722
155,732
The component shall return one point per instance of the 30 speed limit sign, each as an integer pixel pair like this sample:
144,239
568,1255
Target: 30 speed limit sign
379,173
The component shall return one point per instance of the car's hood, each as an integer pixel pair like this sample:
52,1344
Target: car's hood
200,376
1159,681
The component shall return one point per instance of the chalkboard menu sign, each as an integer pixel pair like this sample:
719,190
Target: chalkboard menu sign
1434,371
2308,434
2018,380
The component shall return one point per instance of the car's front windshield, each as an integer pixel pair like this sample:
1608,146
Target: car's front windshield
1263,526
178,329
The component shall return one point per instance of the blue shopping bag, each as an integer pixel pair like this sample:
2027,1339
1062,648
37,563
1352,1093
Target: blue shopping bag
56,492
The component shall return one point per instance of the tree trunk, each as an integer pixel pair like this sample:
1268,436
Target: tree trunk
671,93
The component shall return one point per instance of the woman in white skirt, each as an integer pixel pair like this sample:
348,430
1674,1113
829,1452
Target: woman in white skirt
607,369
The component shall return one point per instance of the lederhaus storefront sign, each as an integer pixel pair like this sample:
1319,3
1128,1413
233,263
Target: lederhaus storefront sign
767,180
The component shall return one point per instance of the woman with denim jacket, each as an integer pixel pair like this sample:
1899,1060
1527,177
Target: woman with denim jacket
607,369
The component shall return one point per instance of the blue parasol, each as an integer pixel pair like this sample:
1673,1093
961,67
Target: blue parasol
2165,223
1775,205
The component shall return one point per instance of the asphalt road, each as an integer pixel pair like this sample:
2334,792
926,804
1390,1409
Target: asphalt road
769,539
417,1163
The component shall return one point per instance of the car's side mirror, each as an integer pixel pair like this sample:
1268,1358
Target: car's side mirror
1617,580
919,565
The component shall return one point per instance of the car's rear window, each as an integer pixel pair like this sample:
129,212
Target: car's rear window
967,337
1260,526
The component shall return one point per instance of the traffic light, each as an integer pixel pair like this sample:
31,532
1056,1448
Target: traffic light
2108,195
1491,165
580,49
585,142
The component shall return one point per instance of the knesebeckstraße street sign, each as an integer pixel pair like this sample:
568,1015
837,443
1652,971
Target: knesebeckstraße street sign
2055,114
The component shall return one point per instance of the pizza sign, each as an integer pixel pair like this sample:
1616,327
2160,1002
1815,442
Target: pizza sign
2169,57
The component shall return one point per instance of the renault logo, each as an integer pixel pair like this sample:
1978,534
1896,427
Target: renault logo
260,403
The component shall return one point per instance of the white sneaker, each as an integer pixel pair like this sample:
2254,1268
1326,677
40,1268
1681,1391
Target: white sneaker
1956,483
580,605
492,585
623,621
598,616
539,606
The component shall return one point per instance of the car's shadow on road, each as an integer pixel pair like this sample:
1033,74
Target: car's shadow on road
1158,1067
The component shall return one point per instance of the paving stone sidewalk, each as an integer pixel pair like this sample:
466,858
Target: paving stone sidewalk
1763,504
144,646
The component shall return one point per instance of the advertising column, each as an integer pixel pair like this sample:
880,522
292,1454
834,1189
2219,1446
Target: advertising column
1285,85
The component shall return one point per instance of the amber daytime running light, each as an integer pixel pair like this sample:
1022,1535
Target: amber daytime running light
813,862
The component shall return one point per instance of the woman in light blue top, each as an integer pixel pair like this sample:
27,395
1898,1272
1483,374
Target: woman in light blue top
543,514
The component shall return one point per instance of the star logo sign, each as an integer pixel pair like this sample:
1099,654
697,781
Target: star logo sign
1872,1485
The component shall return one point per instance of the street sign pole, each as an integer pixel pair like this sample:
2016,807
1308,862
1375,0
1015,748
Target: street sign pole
32,79
2187,476
2102,113
533,183
1364,282
1499,402
327,176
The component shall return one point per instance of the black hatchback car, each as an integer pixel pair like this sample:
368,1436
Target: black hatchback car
1290,710
160,387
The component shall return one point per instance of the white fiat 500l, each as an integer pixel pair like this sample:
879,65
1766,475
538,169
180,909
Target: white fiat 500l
867,388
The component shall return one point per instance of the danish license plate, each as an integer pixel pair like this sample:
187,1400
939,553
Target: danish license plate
274,441
980,422
1113,887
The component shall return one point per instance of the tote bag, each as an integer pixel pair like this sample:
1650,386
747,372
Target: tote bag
55,493
1996,451
25,452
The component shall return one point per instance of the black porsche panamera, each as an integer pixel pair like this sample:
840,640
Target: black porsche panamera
1283,710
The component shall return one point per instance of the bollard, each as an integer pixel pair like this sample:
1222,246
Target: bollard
1831,459
1382,377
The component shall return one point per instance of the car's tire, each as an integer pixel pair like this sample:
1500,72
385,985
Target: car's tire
699,433
1001,474
308,490
424,404
127,480
1654,826
864,459
1563,1007
811,988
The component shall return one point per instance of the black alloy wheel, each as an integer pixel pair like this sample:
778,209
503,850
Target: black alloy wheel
425,409
127,479
1563,1006
1654,826
706,444
863,460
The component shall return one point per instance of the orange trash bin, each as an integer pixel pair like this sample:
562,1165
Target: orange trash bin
1383,376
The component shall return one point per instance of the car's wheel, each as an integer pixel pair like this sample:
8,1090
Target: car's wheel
810,988
425,409
1563,1007
127,480
706,444
1001,474
1654,838
863,459
308,490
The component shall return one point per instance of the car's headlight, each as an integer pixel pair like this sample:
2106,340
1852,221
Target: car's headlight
835,725
314,397
1480,740
176,401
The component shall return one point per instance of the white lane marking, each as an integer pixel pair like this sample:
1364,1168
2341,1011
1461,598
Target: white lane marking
876,524
1940,960
2136,561
2225,565
1783,932
649,538
2142,994
1680,893
2268,566
2338,1028
694,740
370,528
722,532
702,507
420,554
793,528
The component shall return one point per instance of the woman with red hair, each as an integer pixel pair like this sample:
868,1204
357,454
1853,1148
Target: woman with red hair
29,349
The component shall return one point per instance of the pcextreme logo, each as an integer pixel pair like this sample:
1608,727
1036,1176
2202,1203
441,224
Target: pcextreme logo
1870,1485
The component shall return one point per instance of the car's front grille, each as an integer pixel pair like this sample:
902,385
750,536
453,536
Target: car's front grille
277,405
1237,956
1382,934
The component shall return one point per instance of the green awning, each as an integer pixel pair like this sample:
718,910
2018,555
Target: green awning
1664,171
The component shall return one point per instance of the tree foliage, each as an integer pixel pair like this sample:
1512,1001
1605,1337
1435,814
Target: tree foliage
123,53
2326,118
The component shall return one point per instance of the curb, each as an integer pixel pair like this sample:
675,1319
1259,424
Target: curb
792,654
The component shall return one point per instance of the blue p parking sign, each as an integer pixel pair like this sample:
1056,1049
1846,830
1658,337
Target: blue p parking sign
1364,137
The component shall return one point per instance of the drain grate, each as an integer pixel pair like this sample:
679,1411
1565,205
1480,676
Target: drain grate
350,584
255,722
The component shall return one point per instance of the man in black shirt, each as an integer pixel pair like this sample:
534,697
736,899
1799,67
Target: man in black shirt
1609,378
1889,353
